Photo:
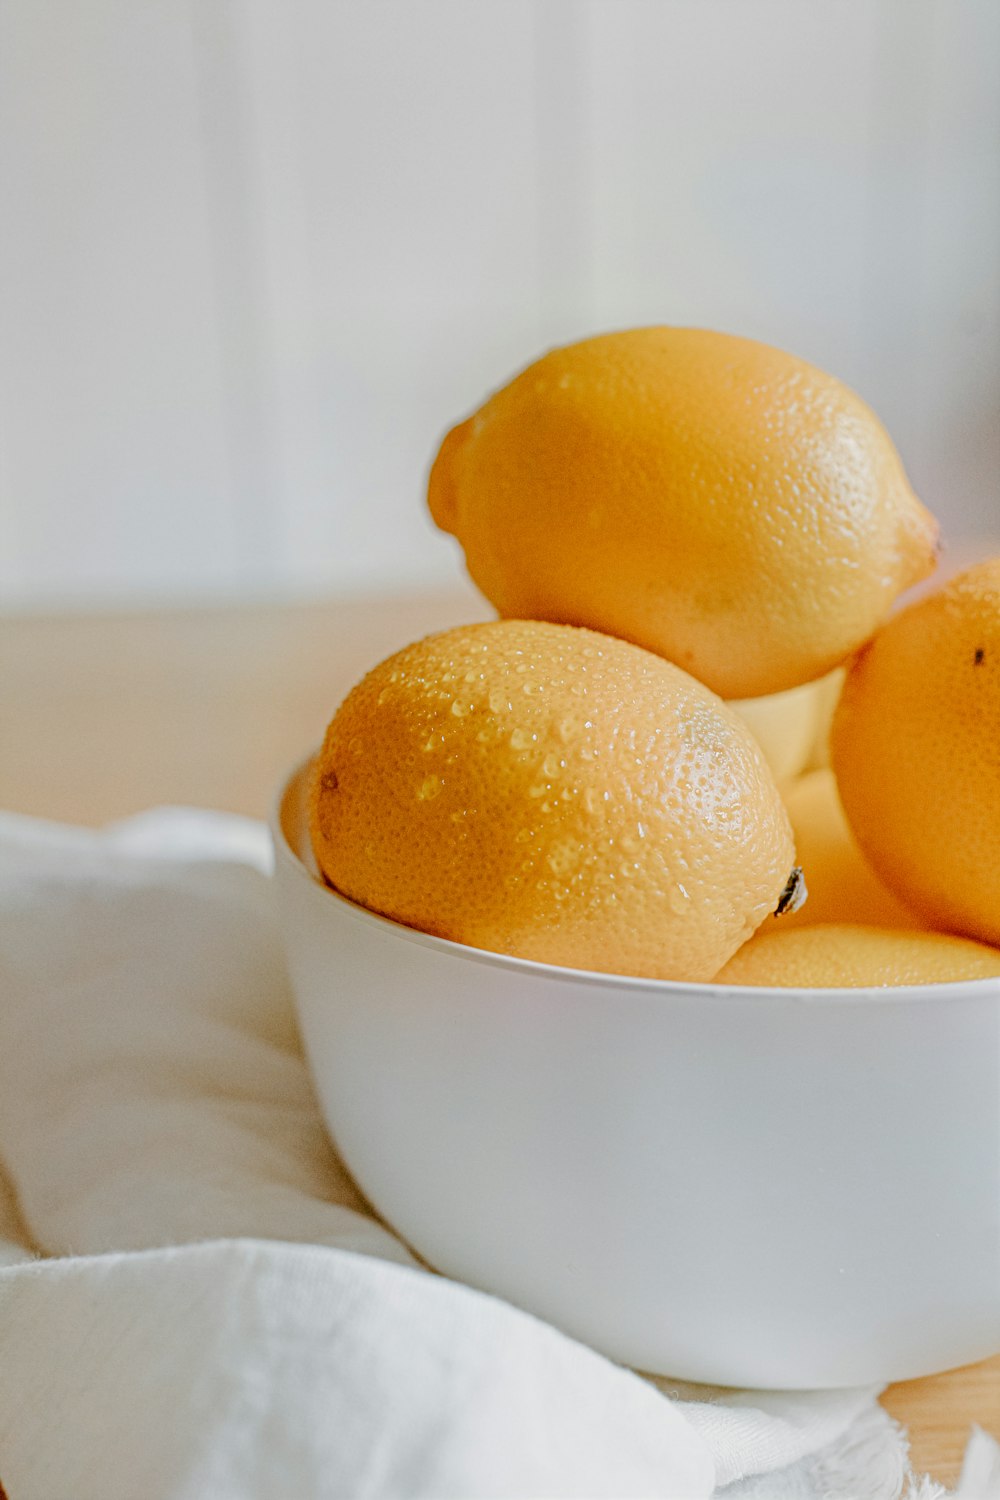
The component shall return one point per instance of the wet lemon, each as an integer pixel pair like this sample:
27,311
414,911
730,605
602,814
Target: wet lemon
552,793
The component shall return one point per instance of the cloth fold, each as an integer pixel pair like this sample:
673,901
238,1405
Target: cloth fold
196,1301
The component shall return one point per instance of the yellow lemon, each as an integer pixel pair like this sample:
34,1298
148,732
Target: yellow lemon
713,499
552,793
856,957
784,726
827,697
916,751
843,887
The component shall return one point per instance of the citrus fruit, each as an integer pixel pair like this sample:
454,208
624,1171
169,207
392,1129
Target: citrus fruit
916,752
827,697
844,955
717,501
552,793
843,887
784,726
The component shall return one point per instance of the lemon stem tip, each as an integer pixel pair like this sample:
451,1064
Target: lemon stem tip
794,894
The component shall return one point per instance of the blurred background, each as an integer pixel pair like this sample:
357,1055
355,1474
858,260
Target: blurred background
256,255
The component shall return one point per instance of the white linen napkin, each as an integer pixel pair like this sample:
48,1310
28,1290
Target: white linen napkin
196,1303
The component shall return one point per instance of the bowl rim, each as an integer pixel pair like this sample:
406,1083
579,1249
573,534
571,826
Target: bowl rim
946,992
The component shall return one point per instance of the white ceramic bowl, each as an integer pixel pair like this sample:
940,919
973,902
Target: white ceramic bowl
755,1187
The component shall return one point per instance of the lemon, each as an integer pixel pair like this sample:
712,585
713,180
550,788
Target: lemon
916,752
856,957
552,793
843,887
785,726
713,499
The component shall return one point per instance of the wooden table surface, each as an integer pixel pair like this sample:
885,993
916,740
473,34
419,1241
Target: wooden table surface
101,716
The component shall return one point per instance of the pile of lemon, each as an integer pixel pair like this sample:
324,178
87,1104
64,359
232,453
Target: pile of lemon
695,543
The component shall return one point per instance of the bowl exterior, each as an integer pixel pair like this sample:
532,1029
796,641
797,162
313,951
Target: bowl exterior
760,1188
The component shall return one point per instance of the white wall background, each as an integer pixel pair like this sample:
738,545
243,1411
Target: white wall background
255,255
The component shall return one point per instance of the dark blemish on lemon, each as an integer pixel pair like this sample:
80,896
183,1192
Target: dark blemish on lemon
328,783
979,657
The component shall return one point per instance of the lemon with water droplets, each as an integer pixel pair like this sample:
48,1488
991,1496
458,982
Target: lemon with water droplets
555,794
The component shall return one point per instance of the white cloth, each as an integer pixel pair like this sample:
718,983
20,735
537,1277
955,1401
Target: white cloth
195,1302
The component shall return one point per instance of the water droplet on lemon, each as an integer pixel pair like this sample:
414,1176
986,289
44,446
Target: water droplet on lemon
680,901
